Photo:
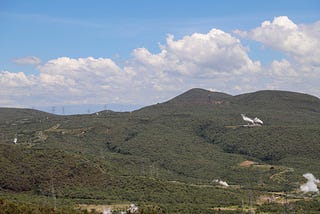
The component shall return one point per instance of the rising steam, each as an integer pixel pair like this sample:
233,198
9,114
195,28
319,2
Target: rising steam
311,185
222,183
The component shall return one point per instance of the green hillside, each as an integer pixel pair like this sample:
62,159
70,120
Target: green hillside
168,155
198,96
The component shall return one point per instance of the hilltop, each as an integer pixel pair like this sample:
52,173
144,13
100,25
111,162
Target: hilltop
168,154
198,96
10,114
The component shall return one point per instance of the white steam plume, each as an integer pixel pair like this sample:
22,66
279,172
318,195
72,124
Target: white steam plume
311,185
222,183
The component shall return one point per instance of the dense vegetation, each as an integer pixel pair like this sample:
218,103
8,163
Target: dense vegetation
13,207
168,155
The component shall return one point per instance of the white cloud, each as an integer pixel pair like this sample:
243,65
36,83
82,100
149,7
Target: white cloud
28,60
10,79
300,42
14,87
82,72
283,68
208,60
95,79
199,60
66,80
201,55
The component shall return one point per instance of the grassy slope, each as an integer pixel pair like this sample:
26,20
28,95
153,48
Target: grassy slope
134,156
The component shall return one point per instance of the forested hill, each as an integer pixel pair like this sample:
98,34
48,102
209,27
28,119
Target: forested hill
10,114
279,100
165,154
198,96
273,99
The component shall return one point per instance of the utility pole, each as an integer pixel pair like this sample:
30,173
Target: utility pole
41,132
151,170
54,198
286,190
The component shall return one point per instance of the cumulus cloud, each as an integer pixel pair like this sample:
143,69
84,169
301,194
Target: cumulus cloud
14,88
90,78
66,80
82,72
283,68
28,60
300,42
152,71
215,59
10,79
210,55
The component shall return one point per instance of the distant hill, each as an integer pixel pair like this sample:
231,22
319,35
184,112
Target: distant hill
278,99
198,96
8,114
170,154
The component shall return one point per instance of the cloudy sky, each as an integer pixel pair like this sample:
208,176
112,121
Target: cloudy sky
125,52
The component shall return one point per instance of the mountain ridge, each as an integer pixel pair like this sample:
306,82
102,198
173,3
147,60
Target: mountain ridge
195,96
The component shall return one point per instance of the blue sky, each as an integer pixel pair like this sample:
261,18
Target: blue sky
49,48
